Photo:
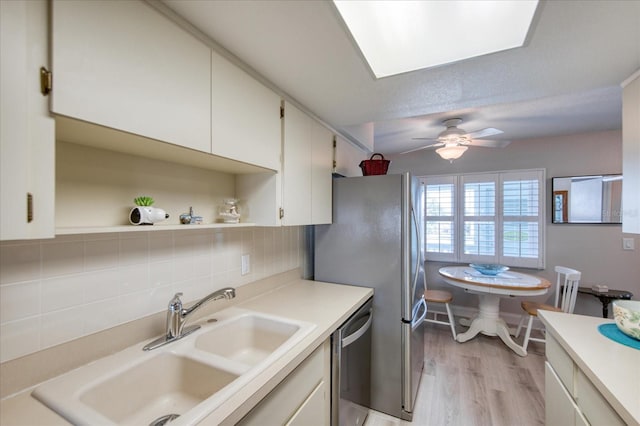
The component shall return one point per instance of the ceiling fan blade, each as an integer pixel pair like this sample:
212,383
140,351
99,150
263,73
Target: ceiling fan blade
489,143
424,139
422,147
489,131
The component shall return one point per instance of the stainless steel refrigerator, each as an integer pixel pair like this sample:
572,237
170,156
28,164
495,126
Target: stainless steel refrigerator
374,241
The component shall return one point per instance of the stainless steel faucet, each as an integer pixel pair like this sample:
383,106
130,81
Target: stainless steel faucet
177,316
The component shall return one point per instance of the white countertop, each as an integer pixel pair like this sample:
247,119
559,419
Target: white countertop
613,368
326,305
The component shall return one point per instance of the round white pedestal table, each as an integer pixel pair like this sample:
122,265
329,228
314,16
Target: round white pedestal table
490,289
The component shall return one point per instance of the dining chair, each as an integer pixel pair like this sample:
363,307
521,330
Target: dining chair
441,297
566,291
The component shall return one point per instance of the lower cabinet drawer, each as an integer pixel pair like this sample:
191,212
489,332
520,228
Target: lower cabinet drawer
596,409
560,409
561,362
307,414
286,401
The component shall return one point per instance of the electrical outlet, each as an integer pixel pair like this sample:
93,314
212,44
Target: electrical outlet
628,244
245,264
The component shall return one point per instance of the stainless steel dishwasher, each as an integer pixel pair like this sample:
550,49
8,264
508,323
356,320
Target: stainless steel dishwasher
351,369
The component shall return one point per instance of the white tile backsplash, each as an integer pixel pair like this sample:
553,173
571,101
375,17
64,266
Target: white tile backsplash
20,262
100,254
100,315
161,246
134,249
19,301
62,258
52,291
133,278
19,337
61,326
101,285
63,292
161,273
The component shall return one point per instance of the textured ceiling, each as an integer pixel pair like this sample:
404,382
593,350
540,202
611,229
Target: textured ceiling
566,79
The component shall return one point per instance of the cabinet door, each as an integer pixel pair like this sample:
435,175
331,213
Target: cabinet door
124,65
296,170
348,158
562,363
26,129
321,166
560,410
302,393
312,411
596,409
245,116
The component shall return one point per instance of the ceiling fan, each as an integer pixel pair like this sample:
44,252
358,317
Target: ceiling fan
454,141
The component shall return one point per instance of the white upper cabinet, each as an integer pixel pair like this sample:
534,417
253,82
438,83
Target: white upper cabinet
27,136
321,167
631,154
245,116
348,158
296,178
124,65
307,164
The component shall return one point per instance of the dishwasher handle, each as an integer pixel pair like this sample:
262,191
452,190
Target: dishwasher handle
357,334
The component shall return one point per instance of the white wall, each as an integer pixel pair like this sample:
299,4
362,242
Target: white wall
596,250
53,291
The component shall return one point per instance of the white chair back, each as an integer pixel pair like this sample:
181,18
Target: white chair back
567,288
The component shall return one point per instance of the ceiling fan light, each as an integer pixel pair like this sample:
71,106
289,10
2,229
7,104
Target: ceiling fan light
451,152
454,139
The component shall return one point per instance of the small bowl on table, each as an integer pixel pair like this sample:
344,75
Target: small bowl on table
489,269
627,316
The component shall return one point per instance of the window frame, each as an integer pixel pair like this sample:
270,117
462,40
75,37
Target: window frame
439,180
499,219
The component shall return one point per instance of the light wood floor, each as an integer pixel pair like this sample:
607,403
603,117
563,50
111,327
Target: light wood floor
479,382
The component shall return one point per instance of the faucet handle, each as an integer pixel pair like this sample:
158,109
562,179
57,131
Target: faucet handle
175,304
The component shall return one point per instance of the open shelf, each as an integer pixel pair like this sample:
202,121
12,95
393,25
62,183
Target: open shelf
145,228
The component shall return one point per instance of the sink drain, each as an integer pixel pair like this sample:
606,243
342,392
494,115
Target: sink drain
163,420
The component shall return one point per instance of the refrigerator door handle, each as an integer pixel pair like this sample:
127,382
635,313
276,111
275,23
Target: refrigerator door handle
418,250
355,336
417,319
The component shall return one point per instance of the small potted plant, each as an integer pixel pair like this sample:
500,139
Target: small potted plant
144,214
143,201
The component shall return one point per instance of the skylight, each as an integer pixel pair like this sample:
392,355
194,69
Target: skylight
400,36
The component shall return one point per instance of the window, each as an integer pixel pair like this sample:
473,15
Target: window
487,217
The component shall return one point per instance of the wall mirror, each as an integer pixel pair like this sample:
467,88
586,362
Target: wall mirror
587,199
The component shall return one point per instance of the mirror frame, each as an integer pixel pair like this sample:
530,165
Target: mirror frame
560,201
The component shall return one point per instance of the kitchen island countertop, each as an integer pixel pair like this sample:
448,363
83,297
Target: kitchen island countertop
613,368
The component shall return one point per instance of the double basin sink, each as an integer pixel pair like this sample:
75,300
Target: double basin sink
180,382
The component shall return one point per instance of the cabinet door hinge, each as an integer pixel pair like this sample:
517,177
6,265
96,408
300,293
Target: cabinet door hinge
281,212
29,207
335,154
281,112
46,81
